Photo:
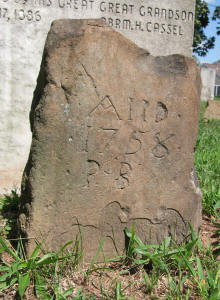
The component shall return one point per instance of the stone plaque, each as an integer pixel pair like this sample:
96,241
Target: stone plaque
114,131
163,27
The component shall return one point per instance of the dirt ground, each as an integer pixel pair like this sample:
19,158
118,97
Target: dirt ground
133,283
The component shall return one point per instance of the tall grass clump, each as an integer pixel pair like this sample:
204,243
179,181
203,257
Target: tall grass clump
9,213
207,161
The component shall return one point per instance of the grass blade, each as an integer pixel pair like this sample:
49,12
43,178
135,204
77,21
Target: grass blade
23,282
7,283
68,292
97,254
200,269
41,288
36,251
7,249
47,259
63,247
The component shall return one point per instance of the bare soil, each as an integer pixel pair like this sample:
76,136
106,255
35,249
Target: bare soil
103,282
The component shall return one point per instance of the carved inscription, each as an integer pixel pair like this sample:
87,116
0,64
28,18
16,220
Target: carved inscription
156,17
93,169
111,138
139,108
134,144
123,180
29,15
120,15
110,149
106,104
161,150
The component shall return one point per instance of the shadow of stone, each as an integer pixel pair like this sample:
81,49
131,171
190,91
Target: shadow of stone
9,210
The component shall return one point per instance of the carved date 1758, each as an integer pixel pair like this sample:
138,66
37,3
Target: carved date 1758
98,123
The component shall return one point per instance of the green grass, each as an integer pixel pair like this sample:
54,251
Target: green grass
190,271
207,161
42,270
217,98
9,211
145,271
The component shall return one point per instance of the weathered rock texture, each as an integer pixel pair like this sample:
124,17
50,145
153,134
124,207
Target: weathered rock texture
213,110
114,131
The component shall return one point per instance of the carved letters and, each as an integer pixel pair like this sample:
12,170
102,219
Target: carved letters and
133,16
137,114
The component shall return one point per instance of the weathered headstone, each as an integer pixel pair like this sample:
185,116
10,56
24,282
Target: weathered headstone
114,131
208,83
163,27
213,110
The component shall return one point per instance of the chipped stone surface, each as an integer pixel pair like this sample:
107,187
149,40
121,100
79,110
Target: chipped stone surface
114,131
